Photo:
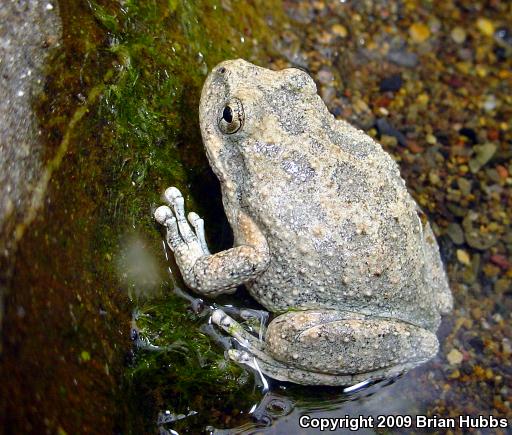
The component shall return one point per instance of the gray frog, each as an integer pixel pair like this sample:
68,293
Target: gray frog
326,235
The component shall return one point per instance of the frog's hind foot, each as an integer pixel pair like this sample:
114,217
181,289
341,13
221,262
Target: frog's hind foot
244,338
253,320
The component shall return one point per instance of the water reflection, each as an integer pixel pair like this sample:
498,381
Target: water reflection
280,410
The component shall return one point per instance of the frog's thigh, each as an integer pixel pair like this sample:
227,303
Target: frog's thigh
343,343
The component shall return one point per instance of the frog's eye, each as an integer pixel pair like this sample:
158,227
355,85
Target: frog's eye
232,117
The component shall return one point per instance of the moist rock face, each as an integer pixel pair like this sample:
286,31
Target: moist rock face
28,31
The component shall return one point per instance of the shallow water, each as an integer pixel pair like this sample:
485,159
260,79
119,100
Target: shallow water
92,279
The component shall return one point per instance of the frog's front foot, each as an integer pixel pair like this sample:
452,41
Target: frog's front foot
180,236
330,347
209,274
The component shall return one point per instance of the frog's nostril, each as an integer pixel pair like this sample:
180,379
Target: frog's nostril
222,70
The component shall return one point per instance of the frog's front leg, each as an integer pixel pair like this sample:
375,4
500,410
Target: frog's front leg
210,274
333,347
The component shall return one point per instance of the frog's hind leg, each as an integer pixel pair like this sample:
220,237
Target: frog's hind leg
342,343
252,354
330,347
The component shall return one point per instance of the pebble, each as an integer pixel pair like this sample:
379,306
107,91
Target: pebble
474,237
464,186
503,36
423,99
482,155
501,261
434,178
458,34
388,141
431,139
503,285
490,103
455,233
463,257
385,128
403,58
419,32
502,171
454,357
490,270
339,30
434,24
485,26
325,76
392,83
455,374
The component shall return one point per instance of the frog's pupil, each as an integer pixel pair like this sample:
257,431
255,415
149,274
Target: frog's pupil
227,114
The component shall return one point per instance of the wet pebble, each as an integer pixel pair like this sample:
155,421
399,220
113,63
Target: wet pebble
386,129
503,285
474,236
458,34
464,186
391,83
403,58
455,233
388,141
419,32
454,357
339,30
325,76
503,36
506,346
490,103
463,257
501,261
485,26
482,155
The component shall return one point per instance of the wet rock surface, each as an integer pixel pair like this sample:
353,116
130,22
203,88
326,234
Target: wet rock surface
28,31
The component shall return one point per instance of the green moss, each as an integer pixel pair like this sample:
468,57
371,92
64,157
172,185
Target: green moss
188,372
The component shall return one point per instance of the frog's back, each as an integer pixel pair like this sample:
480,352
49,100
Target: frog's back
342,229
